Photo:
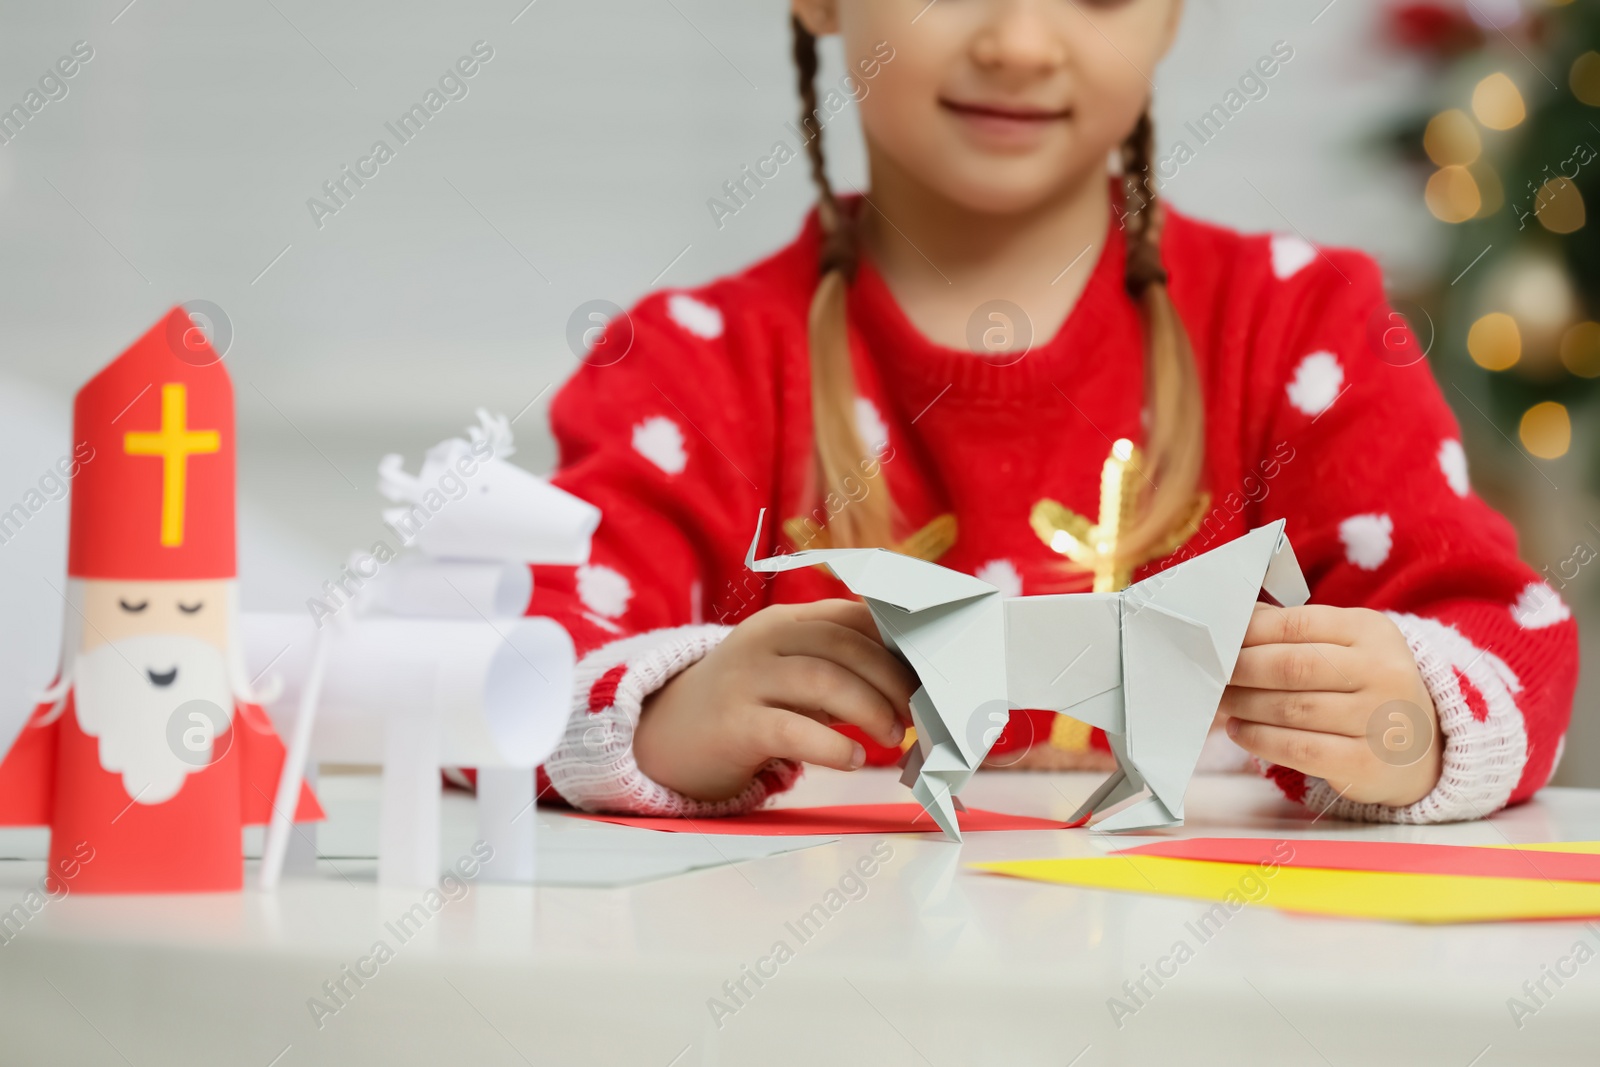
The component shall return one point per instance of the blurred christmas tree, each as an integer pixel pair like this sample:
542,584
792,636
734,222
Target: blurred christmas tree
1511,149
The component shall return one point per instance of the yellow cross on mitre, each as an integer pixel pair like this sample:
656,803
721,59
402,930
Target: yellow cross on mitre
174,443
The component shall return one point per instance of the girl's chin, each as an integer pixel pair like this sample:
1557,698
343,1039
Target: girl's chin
988,189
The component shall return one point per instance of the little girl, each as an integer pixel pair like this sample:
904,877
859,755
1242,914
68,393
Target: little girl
1001,336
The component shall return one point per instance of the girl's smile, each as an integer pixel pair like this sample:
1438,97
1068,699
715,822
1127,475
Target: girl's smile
1005,126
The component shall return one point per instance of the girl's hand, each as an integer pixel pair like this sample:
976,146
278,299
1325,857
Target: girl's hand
771,689
1335,693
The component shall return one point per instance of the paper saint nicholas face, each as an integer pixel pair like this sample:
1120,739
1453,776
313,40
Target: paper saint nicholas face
151,680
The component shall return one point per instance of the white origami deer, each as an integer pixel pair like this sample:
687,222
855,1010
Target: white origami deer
1147,665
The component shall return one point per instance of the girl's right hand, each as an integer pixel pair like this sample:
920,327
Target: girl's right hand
772,689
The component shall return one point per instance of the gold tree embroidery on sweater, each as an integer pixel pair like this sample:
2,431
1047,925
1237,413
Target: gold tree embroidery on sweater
1094,546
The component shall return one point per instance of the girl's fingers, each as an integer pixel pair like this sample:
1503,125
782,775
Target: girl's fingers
1328,713
777,733
855,652
851,613
809,685
1317,754
1272,625
1299,668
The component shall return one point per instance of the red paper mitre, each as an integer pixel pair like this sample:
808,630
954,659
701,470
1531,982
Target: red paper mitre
153,436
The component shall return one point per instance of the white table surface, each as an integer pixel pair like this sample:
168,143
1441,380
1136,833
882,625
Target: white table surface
933,965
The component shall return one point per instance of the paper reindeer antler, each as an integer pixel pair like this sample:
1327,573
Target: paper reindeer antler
1147,665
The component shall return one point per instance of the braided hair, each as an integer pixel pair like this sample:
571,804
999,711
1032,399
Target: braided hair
841,456
1174,407
1175,447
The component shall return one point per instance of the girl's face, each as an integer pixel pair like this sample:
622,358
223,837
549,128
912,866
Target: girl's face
999,105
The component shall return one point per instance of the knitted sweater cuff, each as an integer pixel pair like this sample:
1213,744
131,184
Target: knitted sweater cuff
1483,753
593,768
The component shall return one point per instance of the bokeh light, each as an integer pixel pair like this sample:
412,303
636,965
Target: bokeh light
1537,292
1497,102
1559,207
1452,139
1585,78
1580,350
1452,195
1494,341
1546,430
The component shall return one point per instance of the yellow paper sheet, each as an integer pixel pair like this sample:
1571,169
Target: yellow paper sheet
1588,847
1416,898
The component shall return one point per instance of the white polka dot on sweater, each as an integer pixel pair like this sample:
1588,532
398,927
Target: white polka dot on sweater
870,425
1539,606
1367,540
659,440
1316,384
1002,574
604,591
1453,462
1290,255
695,316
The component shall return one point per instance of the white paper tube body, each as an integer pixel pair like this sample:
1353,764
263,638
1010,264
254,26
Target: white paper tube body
499,692
452,589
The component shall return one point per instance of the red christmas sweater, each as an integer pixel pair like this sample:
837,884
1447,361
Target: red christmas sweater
694,412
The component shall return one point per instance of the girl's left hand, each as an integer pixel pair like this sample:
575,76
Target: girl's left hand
1335,693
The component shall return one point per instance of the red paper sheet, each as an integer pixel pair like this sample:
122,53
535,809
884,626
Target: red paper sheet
1401,857
846,819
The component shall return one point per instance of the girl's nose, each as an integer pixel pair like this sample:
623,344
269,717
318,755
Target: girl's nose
1020,36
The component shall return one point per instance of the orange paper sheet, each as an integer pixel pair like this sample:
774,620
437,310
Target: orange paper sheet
846,819
1567,864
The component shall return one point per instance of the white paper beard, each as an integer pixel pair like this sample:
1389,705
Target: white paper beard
118,702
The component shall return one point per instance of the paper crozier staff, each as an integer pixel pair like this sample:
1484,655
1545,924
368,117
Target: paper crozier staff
148,753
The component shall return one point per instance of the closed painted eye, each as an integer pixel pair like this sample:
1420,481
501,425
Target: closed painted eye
133,609
190,609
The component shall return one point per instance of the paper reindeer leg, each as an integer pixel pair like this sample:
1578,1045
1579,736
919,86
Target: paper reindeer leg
147,756
1146,665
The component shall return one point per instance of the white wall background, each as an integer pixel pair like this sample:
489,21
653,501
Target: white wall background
180,163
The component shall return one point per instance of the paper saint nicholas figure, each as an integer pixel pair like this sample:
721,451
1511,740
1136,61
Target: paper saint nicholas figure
148,753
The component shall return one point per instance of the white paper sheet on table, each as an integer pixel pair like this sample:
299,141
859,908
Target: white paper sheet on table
582,852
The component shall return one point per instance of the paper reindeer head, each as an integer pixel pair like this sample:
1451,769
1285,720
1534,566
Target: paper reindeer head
1147,665
475,505
147,756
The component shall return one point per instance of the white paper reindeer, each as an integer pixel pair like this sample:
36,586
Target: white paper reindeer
438,667
1147,665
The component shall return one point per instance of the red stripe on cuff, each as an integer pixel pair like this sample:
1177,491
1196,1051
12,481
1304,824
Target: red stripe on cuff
604,692
1291,781
1474,699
